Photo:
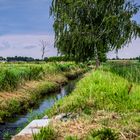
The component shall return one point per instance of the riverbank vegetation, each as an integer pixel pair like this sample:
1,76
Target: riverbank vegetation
106,102
22,84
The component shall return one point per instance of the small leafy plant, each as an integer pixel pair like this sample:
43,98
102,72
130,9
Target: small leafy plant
103,134
46,133
71,138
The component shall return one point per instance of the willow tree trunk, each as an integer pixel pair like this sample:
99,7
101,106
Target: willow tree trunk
117,57
97,58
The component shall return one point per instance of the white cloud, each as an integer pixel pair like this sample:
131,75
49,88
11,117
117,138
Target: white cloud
19,44
130,51
29,45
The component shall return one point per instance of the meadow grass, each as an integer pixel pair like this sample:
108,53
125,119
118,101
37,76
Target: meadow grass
129,70
14,75
21,85
109,98
101,90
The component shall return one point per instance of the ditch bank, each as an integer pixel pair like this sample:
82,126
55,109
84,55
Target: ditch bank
11,127
39,102
26,97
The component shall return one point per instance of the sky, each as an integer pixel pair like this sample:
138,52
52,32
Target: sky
23,23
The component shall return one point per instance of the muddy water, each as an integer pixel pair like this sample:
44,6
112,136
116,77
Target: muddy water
16,123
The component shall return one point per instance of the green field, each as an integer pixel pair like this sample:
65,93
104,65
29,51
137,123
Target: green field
14,75
107,102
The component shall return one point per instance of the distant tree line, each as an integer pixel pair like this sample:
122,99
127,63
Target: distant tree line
2,58
18,58
102,59
134,58
56,58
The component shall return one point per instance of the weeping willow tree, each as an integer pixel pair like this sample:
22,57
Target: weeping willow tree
87,29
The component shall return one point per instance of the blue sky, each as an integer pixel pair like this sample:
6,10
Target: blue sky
25,17
23,23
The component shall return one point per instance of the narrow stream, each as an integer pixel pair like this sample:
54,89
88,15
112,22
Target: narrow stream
10,127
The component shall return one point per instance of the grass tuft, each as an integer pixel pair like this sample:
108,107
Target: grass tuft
71,138
103,134
46,133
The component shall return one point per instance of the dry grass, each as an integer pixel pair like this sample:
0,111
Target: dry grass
82,126
58,78
79,127
103,100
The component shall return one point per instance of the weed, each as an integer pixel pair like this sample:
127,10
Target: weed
71,138
46,133
7,136
103,134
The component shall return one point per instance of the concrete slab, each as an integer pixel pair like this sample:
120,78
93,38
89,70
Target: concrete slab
33,128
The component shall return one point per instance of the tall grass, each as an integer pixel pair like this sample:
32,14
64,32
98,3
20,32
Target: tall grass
14,75
11,78
101,90
126,69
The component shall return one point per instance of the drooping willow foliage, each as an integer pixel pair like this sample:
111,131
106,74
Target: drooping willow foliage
85,29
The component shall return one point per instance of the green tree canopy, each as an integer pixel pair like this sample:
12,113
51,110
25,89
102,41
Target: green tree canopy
85,29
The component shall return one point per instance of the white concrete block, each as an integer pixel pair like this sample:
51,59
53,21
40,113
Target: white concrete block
33,128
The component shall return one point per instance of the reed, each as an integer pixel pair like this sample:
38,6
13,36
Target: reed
14,75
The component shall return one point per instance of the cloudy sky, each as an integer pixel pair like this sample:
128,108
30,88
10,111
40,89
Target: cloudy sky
23,23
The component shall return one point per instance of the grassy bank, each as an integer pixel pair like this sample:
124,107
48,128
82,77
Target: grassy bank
129,70
107,103
13,76
23,84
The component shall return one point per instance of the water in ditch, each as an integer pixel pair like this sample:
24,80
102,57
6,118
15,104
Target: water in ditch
13,124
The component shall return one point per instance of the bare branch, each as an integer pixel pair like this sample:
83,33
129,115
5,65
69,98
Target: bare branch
43,44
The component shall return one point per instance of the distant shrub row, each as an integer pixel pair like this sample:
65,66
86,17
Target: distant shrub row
58,59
